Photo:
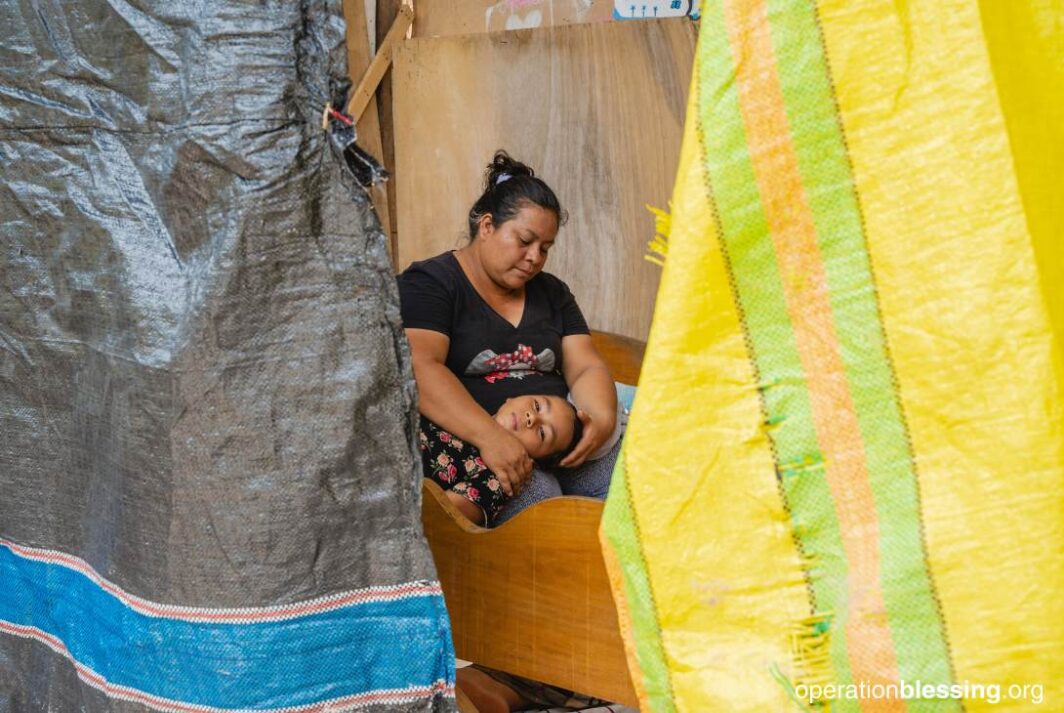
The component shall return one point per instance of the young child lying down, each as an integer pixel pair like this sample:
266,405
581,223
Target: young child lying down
547,426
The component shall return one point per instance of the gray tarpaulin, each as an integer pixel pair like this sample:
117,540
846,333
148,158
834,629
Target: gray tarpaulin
209,489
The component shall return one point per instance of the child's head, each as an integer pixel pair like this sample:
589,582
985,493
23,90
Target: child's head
547,426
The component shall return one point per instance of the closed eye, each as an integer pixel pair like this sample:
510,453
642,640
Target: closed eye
542,434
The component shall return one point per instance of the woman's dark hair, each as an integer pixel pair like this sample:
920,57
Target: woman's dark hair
554,459
510,185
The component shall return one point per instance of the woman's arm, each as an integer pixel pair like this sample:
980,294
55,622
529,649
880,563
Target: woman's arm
591,385
444,401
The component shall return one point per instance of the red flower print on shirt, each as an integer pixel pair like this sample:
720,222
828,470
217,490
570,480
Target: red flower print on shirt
518,364
522,355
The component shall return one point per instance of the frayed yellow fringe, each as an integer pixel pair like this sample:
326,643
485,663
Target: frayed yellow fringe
658,248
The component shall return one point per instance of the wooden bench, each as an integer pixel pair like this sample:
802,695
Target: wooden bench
531,597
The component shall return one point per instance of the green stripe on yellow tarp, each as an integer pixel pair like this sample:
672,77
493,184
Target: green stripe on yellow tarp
624,560
903,380
805,294
752,264
821,265
915,620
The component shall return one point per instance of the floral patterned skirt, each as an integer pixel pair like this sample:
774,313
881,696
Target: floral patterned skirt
456,465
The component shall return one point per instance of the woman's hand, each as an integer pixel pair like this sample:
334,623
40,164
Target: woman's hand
594,436
443,400
508,460
592,388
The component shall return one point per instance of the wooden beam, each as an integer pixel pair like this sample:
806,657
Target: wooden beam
368,125
379,66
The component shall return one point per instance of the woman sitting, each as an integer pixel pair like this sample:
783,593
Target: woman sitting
486,324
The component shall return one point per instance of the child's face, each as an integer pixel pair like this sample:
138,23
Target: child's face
543,424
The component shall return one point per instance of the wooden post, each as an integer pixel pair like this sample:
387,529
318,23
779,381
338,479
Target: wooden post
368,125
381,62
387,11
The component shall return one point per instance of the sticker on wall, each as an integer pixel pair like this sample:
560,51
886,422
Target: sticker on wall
644,9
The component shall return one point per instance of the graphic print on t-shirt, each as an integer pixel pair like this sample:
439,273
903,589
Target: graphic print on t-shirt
518,364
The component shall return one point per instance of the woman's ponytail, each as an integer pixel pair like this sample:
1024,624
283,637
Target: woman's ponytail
509,185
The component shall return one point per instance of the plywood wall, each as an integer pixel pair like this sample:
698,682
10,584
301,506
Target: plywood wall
596,109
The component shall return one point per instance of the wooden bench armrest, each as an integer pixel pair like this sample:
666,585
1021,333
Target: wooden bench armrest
531,597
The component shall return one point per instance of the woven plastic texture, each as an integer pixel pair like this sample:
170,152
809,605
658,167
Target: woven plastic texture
209,490
840,488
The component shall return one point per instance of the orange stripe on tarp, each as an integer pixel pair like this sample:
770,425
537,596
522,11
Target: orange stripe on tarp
790,221
615,573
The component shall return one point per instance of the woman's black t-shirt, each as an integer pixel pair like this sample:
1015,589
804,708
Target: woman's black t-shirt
493,359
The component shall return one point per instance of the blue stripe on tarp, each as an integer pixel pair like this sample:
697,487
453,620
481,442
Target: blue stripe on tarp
353,649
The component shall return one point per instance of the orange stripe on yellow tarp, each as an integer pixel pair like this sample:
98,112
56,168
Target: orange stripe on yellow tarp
790,221
615,572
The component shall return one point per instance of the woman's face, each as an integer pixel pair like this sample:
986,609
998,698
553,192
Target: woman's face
543,424
515,252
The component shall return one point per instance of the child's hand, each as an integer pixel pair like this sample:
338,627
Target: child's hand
507,458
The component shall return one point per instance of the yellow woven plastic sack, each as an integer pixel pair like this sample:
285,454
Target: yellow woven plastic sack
842,486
